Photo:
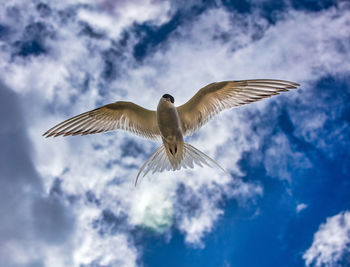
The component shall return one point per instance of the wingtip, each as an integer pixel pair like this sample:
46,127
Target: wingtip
294,84
137,177
46,135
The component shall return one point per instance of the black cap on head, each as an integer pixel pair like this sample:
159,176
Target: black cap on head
172,100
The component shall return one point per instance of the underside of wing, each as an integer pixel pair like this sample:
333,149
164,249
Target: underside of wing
119,115
215,97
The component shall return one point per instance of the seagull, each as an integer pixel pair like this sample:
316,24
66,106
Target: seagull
172,123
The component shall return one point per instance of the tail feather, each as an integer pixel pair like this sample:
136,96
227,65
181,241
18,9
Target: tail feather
189,156
198,156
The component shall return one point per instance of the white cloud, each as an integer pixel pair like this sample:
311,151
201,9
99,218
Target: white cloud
197,226
281,160
118,15
156,12
108,250
301,207
154,206
217,45
331,242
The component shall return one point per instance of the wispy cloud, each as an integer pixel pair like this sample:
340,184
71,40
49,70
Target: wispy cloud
301,207
331,242
72,74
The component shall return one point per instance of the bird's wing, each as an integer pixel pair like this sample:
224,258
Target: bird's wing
119,115
215,97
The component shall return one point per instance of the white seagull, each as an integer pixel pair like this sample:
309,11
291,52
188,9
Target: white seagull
171,123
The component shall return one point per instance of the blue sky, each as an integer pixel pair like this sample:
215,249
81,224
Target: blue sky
71,201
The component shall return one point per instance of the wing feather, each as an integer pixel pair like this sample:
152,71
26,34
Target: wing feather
215,97
119,115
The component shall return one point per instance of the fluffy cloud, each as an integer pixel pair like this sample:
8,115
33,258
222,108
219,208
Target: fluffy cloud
118,15
301,207
33,223
331,242
85,59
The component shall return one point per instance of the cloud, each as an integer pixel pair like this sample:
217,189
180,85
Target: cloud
91,178
107,250
31,219
301,207
119,15
331,242
282,167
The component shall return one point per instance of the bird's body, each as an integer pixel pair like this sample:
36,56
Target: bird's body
170,129
170,123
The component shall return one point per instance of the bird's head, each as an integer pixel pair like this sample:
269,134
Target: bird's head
168,98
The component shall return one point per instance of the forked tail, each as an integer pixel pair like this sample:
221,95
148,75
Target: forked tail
160,160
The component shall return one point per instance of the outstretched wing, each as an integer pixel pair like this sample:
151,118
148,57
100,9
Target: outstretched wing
215,97
119,115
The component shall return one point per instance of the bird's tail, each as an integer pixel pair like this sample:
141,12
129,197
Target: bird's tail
187,157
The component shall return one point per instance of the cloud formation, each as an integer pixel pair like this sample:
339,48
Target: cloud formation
300,207
71,56
330,246
32,221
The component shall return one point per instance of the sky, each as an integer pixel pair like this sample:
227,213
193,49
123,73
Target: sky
72,202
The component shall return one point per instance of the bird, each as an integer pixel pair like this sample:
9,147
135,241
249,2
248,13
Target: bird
170,123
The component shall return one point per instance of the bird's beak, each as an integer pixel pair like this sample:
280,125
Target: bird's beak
168,99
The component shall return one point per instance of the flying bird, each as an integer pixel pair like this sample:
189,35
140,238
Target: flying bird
170,123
